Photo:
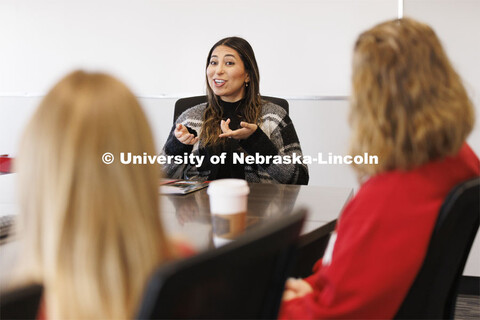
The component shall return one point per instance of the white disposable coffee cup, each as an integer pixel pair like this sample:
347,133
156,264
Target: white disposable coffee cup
228,196
228,205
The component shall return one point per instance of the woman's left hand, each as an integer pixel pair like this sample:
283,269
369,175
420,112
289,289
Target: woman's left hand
246,130
296,288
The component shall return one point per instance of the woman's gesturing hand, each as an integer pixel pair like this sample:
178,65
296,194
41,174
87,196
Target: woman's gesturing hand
185,137
246,130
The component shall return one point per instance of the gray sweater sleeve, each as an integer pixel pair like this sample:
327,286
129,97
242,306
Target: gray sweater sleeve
191,119
282,141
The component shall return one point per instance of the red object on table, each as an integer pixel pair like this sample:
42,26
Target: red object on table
5,164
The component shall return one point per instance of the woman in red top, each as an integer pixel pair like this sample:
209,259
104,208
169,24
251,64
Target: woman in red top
409,108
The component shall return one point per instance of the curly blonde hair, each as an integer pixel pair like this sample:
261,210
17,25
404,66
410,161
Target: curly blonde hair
408,105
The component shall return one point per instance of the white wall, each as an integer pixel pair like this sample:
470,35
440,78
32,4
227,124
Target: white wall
159,48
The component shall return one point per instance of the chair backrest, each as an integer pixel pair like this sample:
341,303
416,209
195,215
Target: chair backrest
21,303
434,291
241,280
185,103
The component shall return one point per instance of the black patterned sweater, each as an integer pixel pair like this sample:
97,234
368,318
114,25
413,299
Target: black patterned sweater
273,148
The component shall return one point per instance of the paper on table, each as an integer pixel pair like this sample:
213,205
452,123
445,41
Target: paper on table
182,186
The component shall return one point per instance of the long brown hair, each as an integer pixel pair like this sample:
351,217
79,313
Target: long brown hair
408,105
253,102
92,231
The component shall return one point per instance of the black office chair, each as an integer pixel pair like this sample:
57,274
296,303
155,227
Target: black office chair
21,303
241,280
434,291
185,103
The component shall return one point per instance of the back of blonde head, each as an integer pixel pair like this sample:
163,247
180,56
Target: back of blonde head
408,104
92,230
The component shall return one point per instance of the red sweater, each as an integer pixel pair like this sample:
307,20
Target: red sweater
382,238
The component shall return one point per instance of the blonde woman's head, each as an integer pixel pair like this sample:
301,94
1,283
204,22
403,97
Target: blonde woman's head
408,104
92,230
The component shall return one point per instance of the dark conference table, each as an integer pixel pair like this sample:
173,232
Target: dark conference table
188,216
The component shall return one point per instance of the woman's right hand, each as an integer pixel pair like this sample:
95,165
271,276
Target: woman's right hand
185,137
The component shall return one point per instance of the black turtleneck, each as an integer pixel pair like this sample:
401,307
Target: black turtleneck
234,112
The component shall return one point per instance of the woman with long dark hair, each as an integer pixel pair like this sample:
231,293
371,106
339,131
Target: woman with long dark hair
236,122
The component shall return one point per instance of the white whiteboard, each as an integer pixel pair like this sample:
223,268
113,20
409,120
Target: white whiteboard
159,47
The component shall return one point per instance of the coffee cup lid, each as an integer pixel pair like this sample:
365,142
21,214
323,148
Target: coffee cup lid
228,187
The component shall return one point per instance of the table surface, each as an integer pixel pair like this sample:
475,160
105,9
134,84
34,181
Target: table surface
188,216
